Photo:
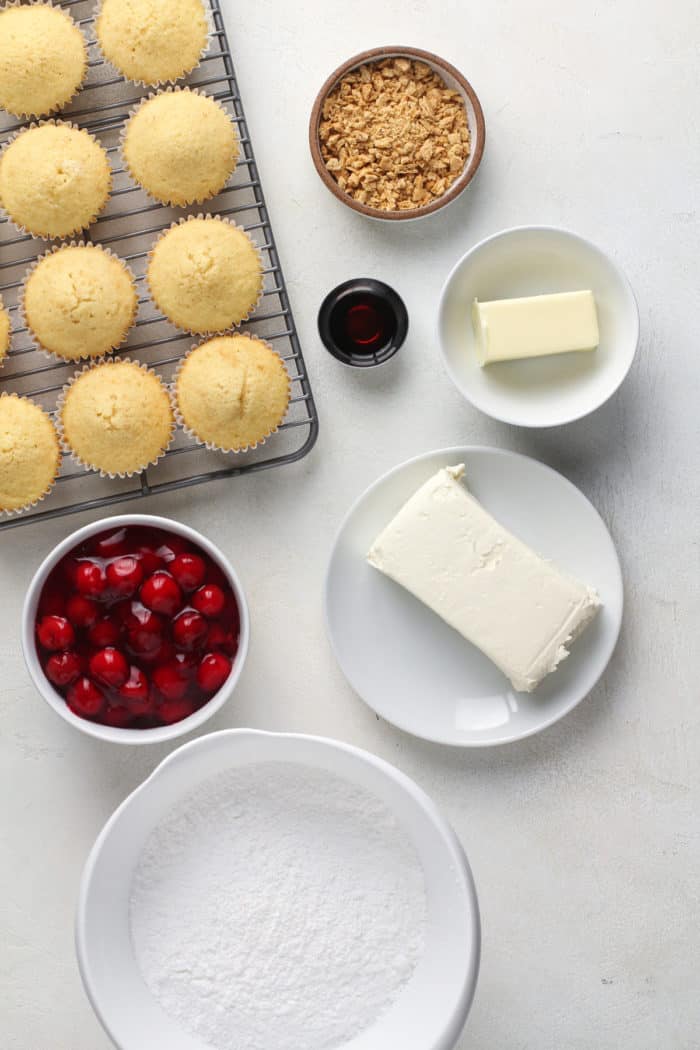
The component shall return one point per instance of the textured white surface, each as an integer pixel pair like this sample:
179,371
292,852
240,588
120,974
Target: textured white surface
584,841
303,926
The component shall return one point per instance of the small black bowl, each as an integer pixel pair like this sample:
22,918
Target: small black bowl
363,322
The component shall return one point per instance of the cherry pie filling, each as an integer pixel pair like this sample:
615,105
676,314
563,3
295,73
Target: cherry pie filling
137,627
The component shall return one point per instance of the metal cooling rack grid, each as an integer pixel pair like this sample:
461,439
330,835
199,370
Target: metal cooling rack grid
129,226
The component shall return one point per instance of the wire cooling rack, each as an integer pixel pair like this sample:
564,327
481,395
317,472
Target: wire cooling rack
129,226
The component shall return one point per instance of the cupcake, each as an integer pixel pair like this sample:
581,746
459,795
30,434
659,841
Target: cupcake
29,453
79,301
152,41
54,179
5,332
205,274
232,392
180,146
116,418
43,59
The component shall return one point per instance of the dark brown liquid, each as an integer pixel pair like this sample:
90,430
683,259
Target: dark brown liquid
362,323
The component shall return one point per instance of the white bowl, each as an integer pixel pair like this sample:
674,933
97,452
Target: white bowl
54,698
430,1012
545,391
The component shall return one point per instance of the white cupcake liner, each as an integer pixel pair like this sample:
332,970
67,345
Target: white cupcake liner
212,446
56,123
210,333
15,511
86,68
63,440
5,352
157,83
143,102
52,355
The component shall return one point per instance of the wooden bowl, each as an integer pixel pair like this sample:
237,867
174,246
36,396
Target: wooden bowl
453,79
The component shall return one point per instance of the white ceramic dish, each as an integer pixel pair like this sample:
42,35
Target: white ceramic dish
432,1009
544,391
56,701
413,669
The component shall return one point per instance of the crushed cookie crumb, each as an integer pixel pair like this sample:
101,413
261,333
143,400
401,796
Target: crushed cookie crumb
393,135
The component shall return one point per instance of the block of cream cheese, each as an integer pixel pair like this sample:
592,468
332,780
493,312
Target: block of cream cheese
508,329
515,606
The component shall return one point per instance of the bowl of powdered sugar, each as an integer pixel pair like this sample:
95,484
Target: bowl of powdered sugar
266,891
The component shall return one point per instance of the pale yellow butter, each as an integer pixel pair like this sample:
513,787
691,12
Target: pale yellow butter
508,329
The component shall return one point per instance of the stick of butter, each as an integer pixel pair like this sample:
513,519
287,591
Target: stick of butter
448,551
507,329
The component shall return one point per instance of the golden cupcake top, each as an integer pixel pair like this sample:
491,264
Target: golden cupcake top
79,301
43,59
54,179
232,392
180,146
152,41
5,331
30,456
116,417
205,274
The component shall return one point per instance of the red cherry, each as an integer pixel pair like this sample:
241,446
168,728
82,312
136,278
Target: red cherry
63,668
150,562
189,570
218,636
169,683
143,708
162,655
90,579
124,575
110,544
104,633
186,664
221,638
135,692
110,667
144,644
161,593
118,716
85,698
82,611
170,547
55,632
209,600
189,630
170,711
213,672
144,629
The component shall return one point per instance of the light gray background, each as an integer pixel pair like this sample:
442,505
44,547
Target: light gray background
584,841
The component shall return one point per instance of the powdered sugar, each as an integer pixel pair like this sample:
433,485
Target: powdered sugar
277,908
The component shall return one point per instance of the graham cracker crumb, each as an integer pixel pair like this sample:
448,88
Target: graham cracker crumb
393,135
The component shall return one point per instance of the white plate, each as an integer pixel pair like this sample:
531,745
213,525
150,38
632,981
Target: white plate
543,391
430,1011
413,669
